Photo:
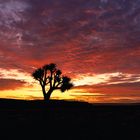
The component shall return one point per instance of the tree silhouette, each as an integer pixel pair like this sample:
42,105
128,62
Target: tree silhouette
50,78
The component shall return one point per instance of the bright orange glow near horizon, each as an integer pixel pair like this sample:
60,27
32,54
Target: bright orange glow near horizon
97,45
94,88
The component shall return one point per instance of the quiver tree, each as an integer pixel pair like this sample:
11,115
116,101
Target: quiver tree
50,78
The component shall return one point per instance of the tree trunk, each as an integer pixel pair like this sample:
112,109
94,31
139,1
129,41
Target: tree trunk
44,92
48,94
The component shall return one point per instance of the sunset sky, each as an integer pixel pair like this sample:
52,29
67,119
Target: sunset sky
95,42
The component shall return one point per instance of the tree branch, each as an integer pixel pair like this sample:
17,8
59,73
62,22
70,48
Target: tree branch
58,84
57,87
45,74
40,82
51,78
54,81
47,83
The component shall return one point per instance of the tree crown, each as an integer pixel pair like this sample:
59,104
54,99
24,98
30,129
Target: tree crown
50,75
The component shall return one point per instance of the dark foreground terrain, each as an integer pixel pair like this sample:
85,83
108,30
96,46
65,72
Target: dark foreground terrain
68,120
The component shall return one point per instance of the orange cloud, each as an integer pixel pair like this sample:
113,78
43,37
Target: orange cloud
11,84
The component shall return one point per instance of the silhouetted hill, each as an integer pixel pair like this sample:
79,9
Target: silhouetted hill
68,119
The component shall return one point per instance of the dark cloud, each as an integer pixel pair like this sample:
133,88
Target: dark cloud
119,89
11,84
124,78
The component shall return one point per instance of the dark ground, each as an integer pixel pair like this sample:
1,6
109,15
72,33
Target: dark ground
69,120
